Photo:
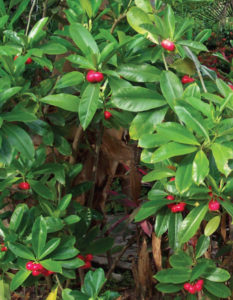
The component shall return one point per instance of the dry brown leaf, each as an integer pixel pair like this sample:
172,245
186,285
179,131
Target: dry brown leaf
156,250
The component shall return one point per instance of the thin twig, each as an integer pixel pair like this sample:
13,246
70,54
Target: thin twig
114,25
81,276
202,81
164,61
45,8
30,16
77,136
130,242
59,283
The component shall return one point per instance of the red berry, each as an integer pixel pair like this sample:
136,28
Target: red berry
175,208
192,289
170,205
172,179
81,257
168,45
200,282
24,185
213,205
35,267
28,61
29,265
107,115
36,273
40,267
186,79
4,249
231,86
86,266
170,197
89,257
94,77
198,287
187,286
16,56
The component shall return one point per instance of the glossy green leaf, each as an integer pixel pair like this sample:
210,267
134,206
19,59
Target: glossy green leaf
81,61
65,201
41,189
212,225
93,282
145,122
8,93
192,222
184,174
51,265
169,287
180,260
217,289
145,5
68,294
228,207
173,230
19,278
21,8
161,222
169,20
20,140
150,208
194,45
88,104
17,216
69,79
173,275
177,133
171,87
86,5
198,270
217,274
83,39
200,168
222,154
64,101
36,30
21,251
71,219
18,116
50,246
139,73
137,99
223,88
170,150
158,174
192,120
137,17
202,245
39,236
152,140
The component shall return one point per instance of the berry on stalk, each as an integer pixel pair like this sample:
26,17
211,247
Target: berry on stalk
24,185
168,45
94,77
107,115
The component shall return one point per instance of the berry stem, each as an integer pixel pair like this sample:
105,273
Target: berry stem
164,61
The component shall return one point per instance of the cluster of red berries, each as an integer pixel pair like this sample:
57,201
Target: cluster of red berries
24,185
193,288
213,203
28,61
175,207
186,79
87,259
3,248
168,45
94,77
37,269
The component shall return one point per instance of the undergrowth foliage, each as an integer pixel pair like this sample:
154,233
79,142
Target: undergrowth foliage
132,65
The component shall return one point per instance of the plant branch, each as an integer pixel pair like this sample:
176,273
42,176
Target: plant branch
130,242
202,81
30,16
95,166
77,136
114,25
45,8
164,61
